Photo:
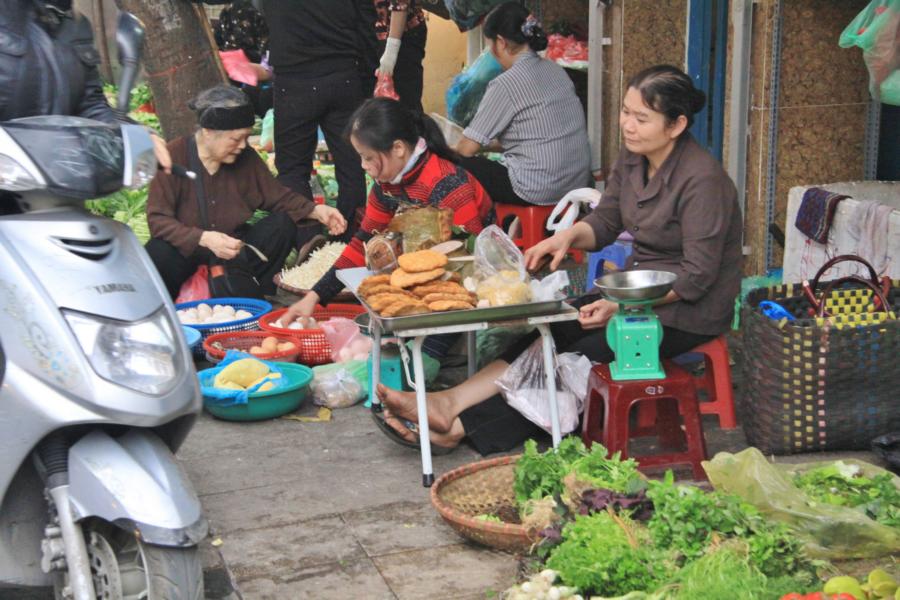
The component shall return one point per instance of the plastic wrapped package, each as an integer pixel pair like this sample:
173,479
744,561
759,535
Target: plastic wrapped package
467,89
340,385
876,31
421,228
524,385
832,532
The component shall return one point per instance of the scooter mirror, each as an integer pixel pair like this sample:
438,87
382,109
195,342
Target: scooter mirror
130,41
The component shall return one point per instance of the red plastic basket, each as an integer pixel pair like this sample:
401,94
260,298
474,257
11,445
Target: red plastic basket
314,348
244,340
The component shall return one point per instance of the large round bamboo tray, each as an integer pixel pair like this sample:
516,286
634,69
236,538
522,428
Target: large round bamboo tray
484,487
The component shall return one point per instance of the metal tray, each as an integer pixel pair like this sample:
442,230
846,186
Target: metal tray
514,312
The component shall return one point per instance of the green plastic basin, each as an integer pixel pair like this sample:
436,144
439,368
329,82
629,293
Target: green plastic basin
265,405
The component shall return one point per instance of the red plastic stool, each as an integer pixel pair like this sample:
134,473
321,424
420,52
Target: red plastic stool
715,381
609,404
533,224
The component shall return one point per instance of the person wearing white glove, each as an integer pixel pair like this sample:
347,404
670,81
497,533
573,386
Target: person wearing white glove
402,32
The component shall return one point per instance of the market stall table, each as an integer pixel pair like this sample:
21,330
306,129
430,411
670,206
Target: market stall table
418,327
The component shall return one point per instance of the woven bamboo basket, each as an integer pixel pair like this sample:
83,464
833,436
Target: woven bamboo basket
484,487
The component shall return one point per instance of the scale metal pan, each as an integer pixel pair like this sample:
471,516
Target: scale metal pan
635,286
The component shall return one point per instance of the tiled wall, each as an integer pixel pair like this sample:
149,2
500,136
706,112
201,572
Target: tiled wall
821,110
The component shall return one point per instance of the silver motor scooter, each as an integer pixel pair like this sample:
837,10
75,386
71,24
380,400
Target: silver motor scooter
98,387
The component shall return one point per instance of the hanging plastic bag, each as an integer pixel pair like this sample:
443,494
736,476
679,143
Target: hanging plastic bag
467,89
196,287
524,385
876,30
831,532
384,87
340,386
238,67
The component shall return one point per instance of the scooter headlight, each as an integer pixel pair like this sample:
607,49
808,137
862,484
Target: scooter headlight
14,177
143,356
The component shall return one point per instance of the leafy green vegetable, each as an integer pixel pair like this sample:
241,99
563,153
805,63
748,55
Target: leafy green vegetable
727,571
540,474
608,556
611,473
489,518
125,206
844,484
688,520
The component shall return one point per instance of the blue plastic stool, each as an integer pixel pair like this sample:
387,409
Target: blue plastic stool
391,370
617,252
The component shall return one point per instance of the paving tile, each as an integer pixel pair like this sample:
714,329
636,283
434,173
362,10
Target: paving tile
348,580
281,552
447,573
399,527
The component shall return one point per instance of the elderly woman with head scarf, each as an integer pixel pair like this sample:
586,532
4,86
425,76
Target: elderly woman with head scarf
205,220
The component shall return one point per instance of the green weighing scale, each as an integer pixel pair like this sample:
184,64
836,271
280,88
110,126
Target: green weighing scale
634,333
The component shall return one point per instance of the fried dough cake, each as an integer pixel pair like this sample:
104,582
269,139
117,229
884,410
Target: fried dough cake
422,261
403,279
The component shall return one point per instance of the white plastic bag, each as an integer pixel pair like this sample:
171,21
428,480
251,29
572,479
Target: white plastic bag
337,389
524,386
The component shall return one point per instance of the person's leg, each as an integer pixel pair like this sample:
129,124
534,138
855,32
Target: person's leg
676,342
344,92
298,104
494,177
174,268
408,72
445,406
274,236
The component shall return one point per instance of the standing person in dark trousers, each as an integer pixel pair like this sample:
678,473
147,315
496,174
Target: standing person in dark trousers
323,53
402,34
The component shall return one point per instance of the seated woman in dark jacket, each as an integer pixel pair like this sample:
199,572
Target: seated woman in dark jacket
682,209
232,183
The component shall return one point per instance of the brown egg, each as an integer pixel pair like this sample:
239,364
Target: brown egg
257,350
286,347
270,344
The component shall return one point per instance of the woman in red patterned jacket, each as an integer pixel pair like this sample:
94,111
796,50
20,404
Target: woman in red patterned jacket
405,153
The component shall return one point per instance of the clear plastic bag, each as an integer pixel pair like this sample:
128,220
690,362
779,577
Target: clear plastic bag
467,89
832,532
347,343
876,30
495,252
340,386
524,385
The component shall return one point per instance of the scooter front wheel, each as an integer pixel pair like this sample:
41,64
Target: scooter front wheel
125,568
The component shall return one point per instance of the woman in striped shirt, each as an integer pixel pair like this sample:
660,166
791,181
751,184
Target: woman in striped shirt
405,153
532,111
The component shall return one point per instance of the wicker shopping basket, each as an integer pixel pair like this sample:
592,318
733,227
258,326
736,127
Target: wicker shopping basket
827,380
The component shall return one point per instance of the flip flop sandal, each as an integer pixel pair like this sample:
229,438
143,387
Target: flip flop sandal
394,435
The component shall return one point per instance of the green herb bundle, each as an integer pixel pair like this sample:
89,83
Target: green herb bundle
843,484
609,554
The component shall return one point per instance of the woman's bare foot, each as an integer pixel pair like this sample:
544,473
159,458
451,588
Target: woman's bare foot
403,404
451,439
